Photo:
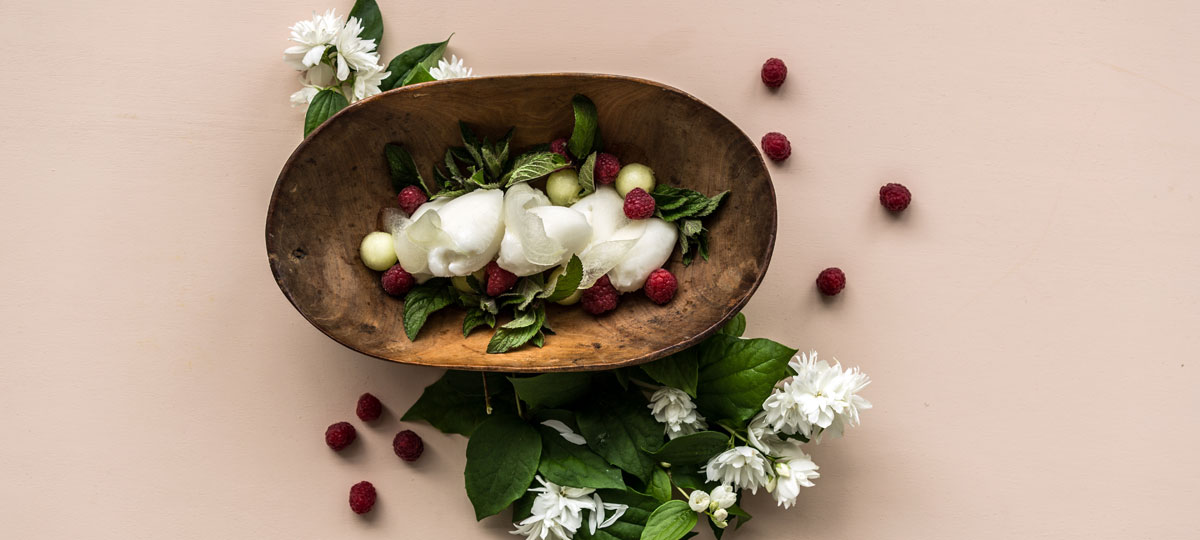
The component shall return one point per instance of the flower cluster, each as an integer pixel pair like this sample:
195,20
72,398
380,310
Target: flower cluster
558,512
330,53
819,399
715,503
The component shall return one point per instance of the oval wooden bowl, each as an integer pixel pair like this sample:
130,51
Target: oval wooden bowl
331,189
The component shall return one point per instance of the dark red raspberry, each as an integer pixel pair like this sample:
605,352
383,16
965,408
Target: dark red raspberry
894,197
831,281
559,146
607,167
499,280
411,198
660,286
362,497
600,297
774,72
776,146
638,204
397,281
369,408
408,445
340,435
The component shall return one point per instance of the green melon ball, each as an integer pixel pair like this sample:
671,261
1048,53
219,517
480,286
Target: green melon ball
377,251
563,187
461,283
635,175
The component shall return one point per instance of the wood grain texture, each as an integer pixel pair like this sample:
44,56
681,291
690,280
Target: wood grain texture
330,190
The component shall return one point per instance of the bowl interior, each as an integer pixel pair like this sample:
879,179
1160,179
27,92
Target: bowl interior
331,189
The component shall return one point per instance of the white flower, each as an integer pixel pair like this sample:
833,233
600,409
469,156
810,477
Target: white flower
674,408
313,80
566,432
313,38
366,81
723,496
719,517
352,52
450,70
558,512
819,398
698,501
741,466
795,469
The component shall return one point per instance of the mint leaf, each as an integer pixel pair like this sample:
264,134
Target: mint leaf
691,227
618,426
568,464
402,65
502,458
736,326
583,136
326,103
527,290
736,375
402,168
660,485
455,403
372,20
511,336
531,166
696,448
670,521
567,282
713,203
551,389
587,173
419,74
422,301
475,318
679,370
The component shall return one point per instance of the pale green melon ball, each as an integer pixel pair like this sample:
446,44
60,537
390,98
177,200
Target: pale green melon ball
377,251
635,175
461,283
563,187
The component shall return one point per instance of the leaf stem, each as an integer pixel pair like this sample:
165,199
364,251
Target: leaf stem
733,432
487,401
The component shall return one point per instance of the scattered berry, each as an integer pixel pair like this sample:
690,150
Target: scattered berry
340,435
831,281
397,281
369,408
499,280
607,167
362,497
776,146
408,445
639,204
559,146
660,286
774,72
601,297
894,197
411,198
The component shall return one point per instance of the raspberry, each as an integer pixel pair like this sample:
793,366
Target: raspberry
397,281
660,286
776,146
638,204
831,281
411,198
559,146
499,279
774,72
607,167
894,197
369,408
600,298
408,445
362,497
340,435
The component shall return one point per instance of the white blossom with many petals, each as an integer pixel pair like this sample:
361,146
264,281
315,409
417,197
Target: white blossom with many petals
742,466
353,52
820,398
312,38
794,469
558,512
453,69
366,81
313,80
674,409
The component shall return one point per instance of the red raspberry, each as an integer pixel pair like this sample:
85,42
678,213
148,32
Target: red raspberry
638,204
559,146
894,197
369,408
831,281
340,435
776,146
607,167
397,281
774,72
660,286
362,497
408,445
411,198
499,280
601,297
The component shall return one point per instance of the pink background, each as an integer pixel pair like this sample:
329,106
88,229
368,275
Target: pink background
1030,323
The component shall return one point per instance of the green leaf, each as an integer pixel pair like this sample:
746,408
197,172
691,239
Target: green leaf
527,290
552,389
422,301
492,160
587,173
660,485
628,526
569,464
583,136
448,193
618,426
372,20
742,515
507,338
567,282
523,508
713,203
402,168
670,521
691,227
680,370
736,326
691,477
502,458
736,375
455,403
475,318
531,166
452,165
326,103
402,65
691,449
419,74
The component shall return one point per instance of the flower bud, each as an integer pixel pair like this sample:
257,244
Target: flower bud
783,469
698,501
721,514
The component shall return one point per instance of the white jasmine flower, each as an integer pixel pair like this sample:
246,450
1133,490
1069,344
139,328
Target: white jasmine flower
819,398
566,432
366,81
353,52
313,37
313,80
674,409
741,466
698,501
450,70
558,512
795,469
723,497
597,520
